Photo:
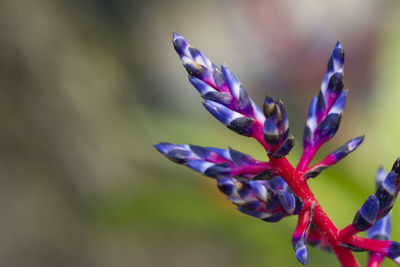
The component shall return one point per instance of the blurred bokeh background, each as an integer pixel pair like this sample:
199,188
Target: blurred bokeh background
86,88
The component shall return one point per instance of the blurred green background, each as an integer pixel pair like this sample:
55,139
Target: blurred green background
86,88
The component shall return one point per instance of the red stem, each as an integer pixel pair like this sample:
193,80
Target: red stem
252,168
294,178
260,138
347,232
374,245
327,161
379,246
306,157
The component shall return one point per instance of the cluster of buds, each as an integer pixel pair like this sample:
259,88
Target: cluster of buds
374,216
275,189
276,128
379,204
241,178
270,200
224,96
377,219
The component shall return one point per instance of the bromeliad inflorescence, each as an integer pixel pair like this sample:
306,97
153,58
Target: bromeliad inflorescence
274,189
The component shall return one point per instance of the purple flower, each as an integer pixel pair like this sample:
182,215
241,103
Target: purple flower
261,189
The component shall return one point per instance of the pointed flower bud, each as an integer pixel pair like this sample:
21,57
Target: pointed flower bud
238,93
339,104
299,235
233,120
389,189
332,83
284,149
271,133
209,93
334,157
346,149
396,166
198,65
367,214
311,123
387,193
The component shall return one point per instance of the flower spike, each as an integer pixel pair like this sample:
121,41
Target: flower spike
214,162
326,110
225,97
